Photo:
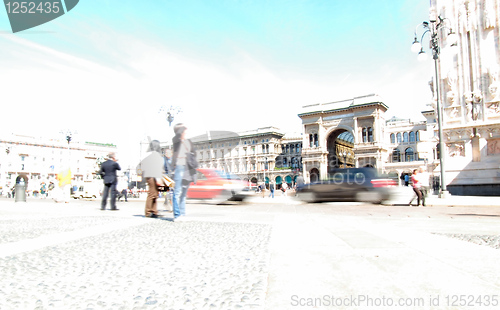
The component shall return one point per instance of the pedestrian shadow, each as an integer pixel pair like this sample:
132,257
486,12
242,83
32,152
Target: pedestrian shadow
474,214
164,218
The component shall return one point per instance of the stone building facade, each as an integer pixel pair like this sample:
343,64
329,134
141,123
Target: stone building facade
39,160
261,155
469,90
410,145
347,133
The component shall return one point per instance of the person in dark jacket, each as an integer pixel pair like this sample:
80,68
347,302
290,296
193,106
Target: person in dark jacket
108,174
184,165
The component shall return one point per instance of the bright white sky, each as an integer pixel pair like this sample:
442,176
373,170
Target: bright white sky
105,68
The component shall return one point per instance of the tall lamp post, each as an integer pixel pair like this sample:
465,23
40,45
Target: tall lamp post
170,113
436,30
69,136
265,167
344,154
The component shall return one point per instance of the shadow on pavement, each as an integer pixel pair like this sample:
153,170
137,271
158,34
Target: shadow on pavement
473,214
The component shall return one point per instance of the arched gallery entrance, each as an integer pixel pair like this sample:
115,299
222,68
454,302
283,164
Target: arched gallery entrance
340,146
314,175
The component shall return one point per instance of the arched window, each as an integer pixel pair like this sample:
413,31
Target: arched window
311,140
409,154
417,136
370,134
396,156
393,138
365,137
412,136
398,137
405,137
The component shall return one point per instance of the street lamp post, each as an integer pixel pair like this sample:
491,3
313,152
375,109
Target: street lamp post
69,136
344,153
436,26
170,113
265,167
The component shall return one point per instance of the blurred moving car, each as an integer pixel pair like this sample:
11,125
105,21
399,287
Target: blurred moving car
349,184
217,186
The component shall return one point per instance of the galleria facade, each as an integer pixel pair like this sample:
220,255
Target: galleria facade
348,133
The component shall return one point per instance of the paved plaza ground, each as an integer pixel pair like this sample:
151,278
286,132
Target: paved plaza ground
263,254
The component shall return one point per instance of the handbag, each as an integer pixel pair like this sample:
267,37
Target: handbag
168,181
191,161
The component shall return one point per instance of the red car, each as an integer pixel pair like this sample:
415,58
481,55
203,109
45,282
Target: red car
217,186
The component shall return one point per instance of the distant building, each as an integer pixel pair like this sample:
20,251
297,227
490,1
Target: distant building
39,160
261,155
354,133
410,145
342,134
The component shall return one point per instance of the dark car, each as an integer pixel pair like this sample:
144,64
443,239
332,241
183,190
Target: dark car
349,184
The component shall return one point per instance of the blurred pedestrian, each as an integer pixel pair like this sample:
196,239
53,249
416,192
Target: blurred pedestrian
64,181
284,188
124,194
122,188
151,169
300,180
43,190
263,189
169,172
416,188
50,191
108,174
407,179
424,179
271,189
184,164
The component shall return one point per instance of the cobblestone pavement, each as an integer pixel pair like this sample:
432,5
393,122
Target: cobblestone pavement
157,264
489,240
266,254
17,230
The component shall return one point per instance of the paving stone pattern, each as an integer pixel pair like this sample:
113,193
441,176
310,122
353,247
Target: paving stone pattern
489,240
15,230
224,266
